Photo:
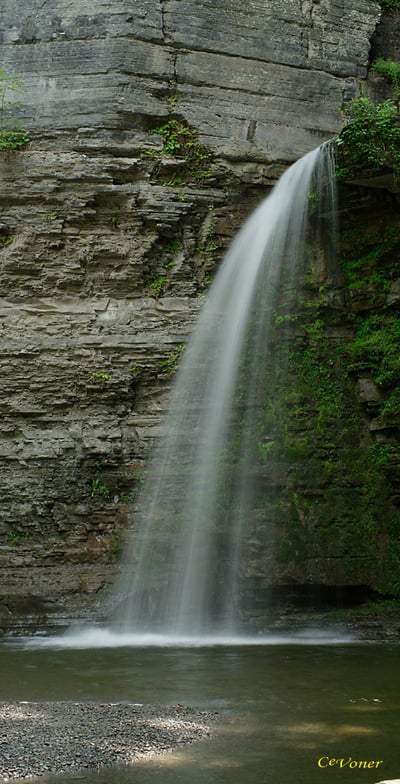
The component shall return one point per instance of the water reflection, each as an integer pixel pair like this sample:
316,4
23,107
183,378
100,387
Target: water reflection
282,707
310,734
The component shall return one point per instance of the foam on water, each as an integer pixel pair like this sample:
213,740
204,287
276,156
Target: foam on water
83,637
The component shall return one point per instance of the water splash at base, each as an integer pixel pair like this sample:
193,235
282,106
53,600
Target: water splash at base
84,637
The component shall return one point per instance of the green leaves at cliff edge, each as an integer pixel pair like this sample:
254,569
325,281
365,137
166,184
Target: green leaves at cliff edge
370,140
389,69
12,137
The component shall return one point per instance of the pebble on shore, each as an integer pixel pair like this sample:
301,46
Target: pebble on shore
42,738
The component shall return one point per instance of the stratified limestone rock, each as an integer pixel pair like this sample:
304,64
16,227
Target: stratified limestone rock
265,80
106,241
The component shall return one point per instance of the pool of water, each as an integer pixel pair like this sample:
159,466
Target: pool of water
283,707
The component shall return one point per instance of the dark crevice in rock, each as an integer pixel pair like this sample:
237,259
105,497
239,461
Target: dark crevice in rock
385,41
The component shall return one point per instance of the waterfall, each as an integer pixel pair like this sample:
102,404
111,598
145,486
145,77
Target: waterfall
187,552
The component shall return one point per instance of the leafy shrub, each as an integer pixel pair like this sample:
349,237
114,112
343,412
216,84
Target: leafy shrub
371,138
375,349
389,69
11,138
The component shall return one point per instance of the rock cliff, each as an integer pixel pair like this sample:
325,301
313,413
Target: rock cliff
111,227
262,82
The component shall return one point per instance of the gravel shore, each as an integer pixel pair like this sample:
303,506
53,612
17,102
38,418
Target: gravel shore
38,738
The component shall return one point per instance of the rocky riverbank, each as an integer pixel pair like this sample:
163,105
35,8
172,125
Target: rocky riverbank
39,738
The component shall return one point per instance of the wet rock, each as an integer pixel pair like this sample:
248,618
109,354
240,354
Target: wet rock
369,391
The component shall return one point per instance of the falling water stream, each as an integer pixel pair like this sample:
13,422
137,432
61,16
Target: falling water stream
181,576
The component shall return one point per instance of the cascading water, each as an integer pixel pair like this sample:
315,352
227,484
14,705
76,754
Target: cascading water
188,549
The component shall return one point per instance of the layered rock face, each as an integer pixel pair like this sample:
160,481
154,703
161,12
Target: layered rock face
262,82
111,227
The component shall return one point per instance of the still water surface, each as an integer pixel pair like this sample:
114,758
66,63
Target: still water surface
282,707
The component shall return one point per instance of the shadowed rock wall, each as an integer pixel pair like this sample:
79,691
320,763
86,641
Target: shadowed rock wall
108,235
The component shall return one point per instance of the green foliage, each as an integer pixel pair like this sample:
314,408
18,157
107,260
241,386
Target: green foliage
159,282
340,497
208,246
172,102
319,383
113,220
5,239
173,246
376,349
338,502
98,486
15,537
99,376
312,199
370,140
181,141
362,272
391,4
389,69
367,260
391,407
157,285
14,137
168,365
177,137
